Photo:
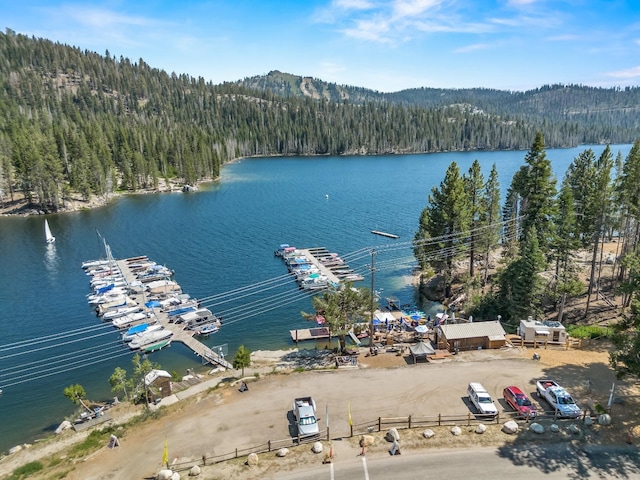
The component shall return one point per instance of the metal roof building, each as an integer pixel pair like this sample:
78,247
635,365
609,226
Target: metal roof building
470,336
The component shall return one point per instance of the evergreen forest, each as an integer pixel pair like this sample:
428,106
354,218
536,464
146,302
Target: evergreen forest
538,239
75,122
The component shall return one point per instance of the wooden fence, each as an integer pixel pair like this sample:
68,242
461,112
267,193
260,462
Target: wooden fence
376,425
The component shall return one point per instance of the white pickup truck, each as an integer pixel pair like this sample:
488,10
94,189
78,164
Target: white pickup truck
558,398
304,411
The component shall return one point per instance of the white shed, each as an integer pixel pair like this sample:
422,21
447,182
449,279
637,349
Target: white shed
544,332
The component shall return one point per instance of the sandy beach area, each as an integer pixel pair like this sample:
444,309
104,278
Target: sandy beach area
214,418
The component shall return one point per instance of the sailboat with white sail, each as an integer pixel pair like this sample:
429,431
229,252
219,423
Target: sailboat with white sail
47,232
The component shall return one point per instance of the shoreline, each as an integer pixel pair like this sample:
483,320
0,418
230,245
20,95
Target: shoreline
220,393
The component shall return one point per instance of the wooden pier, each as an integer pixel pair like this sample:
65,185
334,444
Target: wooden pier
179,334
304,334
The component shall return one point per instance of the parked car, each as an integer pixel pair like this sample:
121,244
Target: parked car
481,399
517,400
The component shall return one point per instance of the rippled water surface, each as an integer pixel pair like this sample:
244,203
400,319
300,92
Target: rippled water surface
220,243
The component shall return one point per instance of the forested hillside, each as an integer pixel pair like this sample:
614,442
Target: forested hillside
78,121
598,115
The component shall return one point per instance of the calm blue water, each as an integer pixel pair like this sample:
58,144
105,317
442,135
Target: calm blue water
220,242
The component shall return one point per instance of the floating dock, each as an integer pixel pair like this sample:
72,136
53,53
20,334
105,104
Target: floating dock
384,234
304,334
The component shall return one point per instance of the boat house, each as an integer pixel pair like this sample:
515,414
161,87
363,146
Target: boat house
534,331
470,336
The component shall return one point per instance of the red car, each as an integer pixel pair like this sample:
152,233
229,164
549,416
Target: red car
519,402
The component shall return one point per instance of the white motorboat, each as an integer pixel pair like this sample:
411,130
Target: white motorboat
133,332
143,339
127,320
119,312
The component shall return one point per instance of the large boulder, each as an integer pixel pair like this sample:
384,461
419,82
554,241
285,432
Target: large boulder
252,460
164,474
367,440
536,428
15,449
195,471
554,428
392,435
573,428
317,447
282,452
428,433
481,428
604,419
456,431
63,426
588,421
175,476
510,427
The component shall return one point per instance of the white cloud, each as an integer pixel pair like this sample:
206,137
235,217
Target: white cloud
520,3
353,4
411,8
629,73
101,18
472,48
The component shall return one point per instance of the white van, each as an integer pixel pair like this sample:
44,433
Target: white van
481,399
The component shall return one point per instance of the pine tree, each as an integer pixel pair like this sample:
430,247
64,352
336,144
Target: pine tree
490,219
520,285
537,190
566,243
444,225
474,184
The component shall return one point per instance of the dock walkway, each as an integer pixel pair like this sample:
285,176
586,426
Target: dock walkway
179,334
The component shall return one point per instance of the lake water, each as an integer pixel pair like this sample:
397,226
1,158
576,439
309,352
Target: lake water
220,243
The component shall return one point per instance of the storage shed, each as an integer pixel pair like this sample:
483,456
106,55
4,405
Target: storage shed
470,336
158,383
542,332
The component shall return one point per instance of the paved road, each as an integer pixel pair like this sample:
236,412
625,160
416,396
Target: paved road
514,463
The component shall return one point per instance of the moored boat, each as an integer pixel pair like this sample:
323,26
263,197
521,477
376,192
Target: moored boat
119,312
149,338
127,320
152,347
208,329
130,334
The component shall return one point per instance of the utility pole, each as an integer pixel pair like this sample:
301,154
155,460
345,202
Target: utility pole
373,252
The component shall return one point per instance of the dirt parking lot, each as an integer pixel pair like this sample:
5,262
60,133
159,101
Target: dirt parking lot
218,421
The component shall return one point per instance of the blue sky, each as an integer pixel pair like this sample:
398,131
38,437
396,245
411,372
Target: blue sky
385,45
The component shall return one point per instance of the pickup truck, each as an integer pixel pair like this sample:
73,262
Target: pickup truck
558,398
304,411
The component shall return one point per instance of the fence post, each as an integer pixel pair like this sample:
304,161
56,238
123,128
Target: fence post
439,419
269,446
204,460
379,424
409,422
468,419
498,418
351,429
236,453
328,435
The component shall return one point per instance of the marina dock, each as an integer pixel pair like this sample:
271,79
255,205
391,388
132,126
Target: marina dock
316,268
179,334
